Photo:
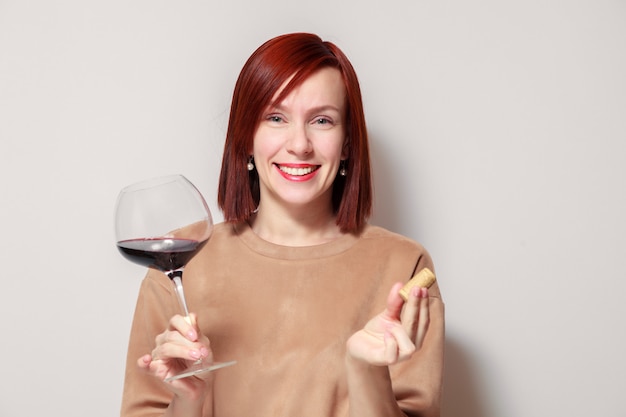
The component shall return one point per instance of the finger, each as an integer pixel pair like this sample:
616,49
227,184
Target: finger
423,319
405,345
391,349
171,344
202,342
172,336
410,313
185,325
193,351
394,303
144,362
148,365
415,309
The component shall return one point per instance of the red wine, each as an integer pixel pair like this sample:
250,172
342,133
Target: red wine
165,254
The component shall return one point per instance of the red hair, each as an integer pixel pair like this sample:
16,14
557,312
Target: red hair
268,68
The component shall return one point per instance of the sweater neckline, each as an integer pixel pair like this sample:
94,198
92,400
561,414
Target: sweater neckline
272,250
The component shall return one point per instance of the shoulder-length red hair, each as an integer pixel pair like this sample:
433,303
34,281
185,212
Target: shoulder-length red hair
268,68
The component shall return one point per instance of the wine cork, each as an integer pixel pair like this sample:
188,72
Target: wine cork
423,279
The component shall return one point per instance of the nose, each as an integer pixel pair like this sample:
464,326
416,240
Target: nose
299,143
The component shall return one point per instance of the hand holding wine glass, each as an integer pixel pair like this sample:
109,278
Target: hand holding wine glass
162,223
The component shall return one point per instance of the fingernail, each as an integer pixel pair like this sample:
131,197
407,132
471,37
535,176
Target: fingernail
204,352
191,335
194,354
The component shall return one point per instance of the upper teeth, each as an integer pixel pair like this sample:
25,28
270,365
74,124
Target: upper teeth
296,171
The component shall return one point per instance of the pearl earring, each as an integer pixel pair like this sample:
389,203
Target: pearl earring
342,170
251,164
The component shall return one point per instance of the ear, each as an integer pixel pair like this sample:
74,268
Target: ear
344,150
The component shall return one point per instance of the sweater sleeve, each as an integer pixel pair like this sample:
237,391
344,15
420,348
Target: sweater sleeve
418,383
145,395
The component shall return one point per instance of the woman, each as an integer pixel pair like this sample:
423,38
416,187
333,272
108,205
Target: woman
295,285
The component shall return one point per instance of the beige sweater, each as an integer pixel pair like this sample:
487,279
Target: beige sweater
285,314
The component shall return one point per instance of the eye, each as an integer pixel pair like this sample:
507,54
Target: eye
323,121
274,118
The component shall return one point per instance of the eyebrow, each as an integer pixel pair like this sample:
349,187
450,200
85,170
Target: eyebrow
317,109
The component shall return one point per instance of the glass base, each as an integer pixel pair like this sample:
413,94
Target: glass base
199,368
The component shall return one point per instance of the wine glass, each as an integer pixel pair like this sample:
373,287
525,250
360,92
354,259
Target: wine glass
162,223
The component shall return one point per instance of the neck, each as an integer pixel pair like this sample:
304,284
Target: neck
296,227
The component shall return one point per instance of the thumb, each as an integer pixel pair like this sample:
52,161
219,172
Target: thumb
394,303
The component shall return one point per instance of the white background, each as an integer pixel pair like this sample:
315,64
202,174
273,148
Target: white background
499,141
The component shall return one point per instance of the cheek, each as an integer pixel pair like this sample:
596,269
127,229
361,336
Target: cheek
263,144
331,143
337,149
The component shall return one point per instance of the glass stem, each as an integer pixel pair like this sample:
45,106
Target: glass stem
177,278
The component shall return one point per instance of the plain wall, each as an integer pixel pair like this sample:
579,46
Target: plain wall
498,137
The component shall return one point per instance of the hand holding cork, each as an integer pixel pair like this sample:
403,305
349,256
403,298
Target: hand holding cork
423,279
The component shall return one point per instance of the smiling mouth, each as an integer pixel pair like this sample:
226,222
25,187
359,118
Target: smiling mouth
298,171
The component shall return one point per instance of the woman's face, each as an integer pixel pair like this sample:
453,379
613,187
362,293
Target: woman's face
299,143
